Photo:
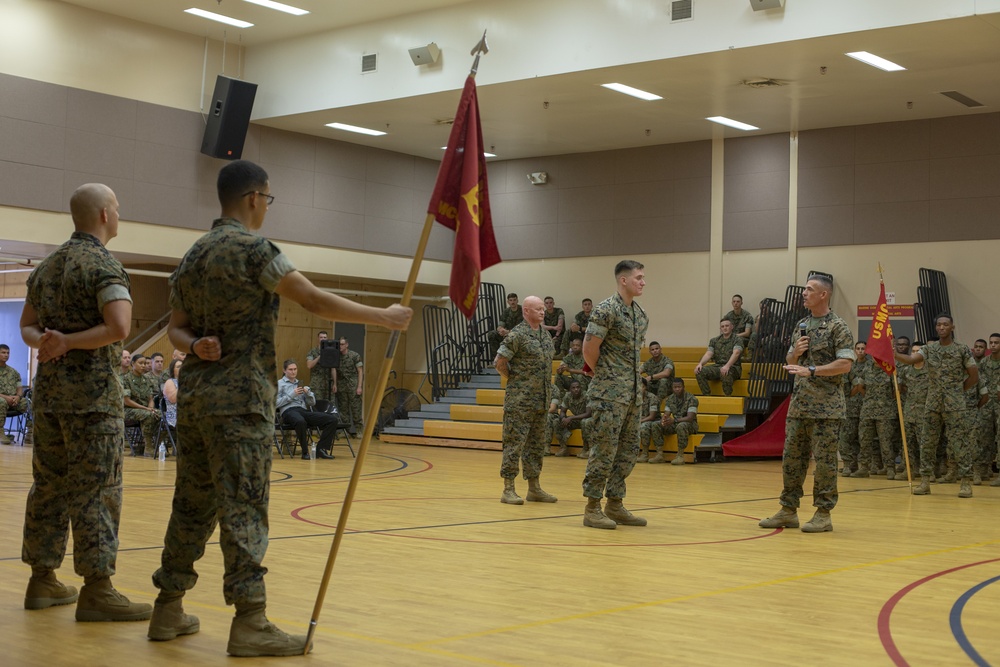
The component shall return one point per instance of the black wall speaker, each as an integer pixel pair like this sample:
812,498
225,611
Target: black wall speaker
228,118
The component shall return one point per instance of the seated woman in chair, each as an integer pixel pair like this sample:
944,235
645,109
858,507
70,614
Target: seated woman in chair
170,391
294,405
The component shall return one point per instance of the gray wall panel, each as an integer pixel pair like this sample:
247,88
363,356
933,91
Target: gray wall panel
32,143
103,114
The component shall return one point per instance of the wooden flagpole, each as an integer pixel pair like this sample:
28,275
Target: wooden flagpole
899,408
373,406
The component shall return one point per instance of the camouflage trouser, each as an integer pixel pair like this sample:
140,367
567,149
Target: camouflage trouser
223,478
557,341
660,388
850,446
585,426
524,439
77,473
646,434
987,417
22,405
959,428
562,382
887,430
614,447
682,429
349,404
148,421
714,372
805,438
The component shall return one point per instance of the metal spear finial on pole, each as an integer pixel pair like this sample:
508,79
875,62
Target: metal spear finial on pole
479,49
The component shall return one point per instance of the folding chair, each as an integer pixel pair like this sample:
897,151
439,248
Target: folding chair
17,421
330,407
133,435
282,431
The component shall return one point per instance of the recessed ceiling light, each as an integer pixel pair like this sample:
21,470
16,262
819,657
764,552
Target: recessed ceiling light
629,90
219,17
875,61
288,9
485,153
722,120
355,128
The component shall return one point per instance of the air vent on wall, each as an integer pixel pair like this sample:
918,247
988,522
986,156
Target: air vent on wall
369,63
962,99
763,82
681,10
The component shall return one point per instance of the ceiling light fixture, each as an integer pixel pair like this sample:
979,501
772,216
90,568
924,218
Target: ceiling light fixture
629,90
212,16
288,9
355,128
875,61
485,153
722,120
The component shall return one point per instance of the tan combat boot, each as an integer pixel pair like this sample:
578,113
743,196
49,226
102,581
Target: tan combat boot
563,450
995,482
584,453
965,491
615,511
510,496
593,517
977,476
99,601
659,456
820,523
952,475
169,620
678,460
536,494
643,455
924,487
252,635
45,591
785,518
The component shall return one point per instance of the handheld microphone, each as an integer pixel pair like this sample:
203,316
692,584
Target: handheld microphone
802,333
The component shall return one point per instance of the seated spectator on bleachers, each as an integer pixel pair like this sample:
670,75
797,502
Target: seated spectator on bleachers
176,354
570,369
509,318
680,416
554,322
742,322
139,406
294,403
170,388
659,369
126,363
650,417
11,392
579,326
724,351
574,414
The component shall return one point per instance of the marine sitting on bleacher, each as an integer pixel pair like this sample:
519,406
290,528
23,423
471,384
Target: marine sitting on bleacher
579,326
659,368
650,417
511,316
570,369
726,348
573,414
680,416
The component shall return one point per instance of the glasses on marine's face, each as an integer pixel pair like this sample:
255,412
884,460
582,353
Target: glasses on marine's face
267,197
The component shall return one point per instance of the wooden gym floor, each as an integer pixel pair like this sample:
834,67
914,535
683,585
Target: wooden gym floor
435,571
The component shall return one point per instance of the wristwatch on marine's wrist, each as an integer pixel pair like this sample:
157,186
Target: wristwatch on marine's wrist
812,371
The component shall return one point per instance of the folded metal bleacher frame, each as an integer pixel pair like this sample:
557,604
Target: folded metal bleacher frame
932,300
775,325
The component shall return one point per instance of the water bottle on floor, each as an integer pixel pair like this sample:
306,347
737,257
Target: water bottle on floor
312,451
163,452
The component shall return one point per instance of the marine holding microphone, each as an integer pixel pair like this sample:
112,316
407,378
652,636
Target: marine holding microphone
822,350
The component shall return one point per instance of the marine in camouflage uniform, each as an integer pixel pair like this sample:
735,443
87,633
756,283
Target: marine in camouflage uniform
850,445
720,350
949,367
660,387
913,386
509,318
552,319
525,357
649,420
878,416
348,399
989,415
742,323
678,404
581,320
615,398
573,361
817,359
10,385
320,379
978,400
78,411
569,407
141,389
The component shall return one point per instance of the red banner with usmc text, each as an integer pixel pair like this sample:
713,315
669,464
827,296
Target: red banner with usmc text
880,341
461,202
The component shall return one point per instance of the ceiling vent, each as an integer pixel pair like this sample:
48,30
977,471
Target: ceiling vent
369,63
763,82
962,99
681,10
444,121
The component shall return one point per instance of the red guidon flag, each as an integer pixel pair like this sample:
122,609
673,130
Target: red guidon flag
880,342
461,202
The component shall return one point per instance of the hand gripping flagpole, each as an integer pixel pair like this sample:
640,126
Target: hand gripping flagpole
899,411
372,416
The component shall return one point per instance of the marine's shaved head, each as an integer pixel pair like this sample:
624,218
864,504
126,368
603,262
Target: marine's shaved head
94,208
